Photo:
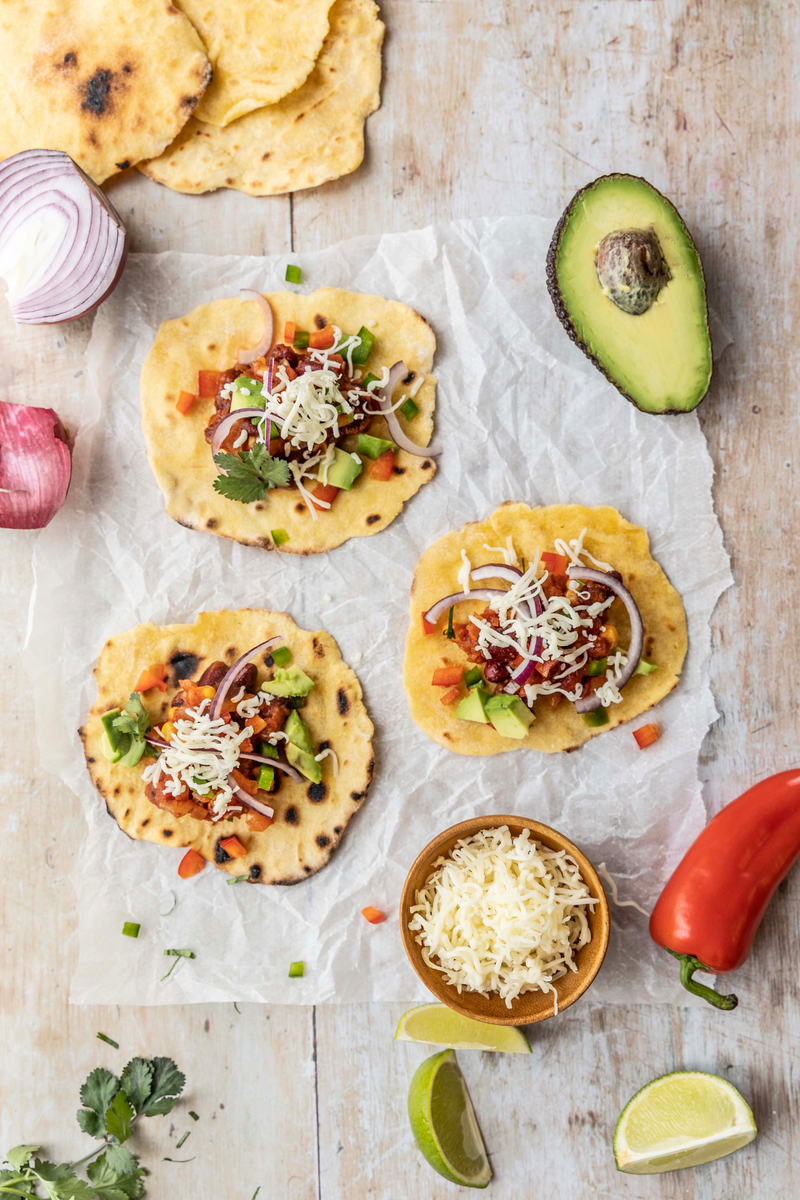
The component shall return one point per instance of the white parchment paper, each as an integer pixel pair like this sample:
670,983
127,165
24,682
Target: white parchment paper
522,416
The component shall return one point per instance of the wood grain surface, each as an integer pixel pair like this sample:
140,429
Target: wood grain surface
489,108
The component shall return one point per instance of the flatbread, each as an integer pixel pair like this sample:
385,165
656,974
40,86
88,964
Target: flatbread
310,819
108,81
313,135
208,338
260,50
609,538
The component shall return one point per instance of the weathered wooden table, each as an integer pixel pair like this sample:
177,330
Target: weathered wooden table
488,108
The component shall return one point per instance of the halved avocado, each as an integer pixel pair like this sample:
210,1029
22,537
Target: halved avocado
627,285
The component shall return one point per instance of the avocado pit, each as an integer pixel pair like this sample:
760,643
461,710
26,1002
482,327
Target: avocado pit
632,269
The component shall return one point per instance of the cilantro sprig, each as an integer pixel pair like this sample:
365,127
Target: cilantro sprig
250,475
110,1109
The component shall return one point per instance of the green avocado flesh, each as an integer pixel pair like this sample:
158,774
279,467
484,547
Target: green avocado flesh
659,359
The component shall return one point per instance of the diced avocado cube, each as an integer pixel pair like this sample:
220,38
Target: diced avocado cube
342,472
109,752
247,394
509,715
117,740
373,447
298,733
362,352
266,778
288,681
409,409
268,750
282,656
134,753
473,706
305,763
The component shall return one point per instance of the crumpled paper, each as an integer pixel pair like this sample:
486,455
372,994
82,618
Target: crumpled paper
521,416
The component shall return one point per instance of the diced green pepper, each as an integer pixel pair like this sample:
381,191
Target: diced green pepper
274,431
266,778
296,970
282,656
131,929
293,274
363,350
279,536
369,378
597,667
473,677
409,409
373,447
596,718
645,668
300,339
268,750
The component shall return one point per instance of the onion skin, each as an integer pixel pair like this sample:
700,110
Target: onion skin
35,466
588,704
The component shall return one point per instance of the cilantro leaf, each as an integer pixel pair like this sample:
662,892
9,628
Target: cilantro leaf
135,719
19,1181
118,1118
250,475
137,1081
20,1156
60,1181
98,1091
168,1083
91,1123
110,1184
120,1159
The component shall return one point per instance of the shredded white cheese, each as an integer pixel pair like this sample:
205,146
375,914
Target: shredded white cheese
416,385
464,571
200,750
604,873
574,551
328,753
502,914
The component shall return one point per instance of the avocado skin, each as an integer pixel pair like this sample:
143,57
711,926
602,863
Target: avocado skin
558,300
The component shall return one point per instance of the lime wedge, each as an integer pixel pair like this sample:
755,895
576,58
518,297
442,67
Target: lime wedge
681,1120
440,1026
443,1122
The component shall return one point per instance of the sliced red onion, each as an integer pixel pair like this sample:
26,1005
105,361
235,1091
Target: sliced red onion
520,676
384,397
248,356
275,762
62,244
436,610
589,703
154,741
222,430
35,466
497,571
227,680
247,799
270,376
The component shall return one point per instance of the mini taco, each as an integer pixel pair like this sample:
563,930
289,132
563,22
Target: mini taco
241,737
539,628
317,432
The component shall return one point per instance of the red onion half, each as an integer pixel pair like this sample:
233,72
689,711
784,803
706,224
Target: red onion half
35,466
384,397
248,356
62,244
588,704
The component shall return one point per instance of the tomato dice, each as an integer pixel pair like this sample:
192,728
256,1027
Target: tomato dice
289,331
383,466
556,564
373,915
325,492
447,676
207,384
321,339
233,847
190,864
428,626
185,402
152,677
450,696
647,734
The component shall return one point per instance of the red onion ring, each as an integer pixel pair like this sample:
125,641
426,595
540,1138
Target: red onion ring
521,674
247,356
84,266
436,610
270,376
497,571
247,799
588,704
222,430
384,397
227,680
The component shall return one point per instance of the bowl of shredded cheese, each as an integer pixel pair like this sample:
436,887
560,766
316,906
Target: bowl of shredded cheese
504,919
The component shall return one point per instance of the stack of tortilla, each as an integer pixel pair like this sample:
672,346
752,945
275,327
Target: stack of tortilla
265,96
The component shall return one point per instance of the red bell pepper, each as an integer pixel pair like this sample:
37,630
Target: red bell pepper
207,384
185,402
427,626
450,696
152,677
325,492
233,847
373,915
190,864
556,564
447,676
645,735
321,339
711,908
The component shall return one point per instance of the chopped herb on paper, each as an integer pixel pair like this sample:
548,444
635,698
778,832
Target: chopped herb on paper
109,1041
176,954
182,1139
250,475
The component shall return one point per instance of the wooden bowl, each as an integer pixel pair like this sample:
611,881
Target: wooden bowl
530,1006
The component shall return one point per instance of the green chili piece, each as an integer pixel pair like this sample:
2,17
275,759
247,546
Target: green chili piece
300,339
597,667
409,409
282,656
279,536
473,677
131,929
596,718
293,274
296,970
363,350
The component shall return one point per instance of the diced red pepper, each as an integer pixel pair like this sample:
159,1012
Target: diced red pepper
325,492
233,847
289,330
383,466
447,676
428,626
556,564
190,864
373,915
207,384
152,677
647,734
247,785
321,339
185,402
449,697
258,822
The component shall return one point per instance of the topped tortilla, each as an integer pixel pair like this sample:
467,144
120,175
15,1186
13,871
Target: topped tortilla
589,634
315,394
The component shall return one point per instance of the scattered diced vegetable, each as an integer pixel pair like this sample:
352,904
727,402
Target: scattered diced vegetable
194,1115
268,750
176,954
293,274
369,378
382,468
596,718
279,536
185,402
266,778
449,632
233,847
427,626
289,331
322,339
207,384
326,492
153,677
247,385
373,915
182,1139
447,676
556,564
296,970
473,677
131,929
449,697
647,734
282,656
409,409
362,352
109,1041
373,447
300,339
190,864
645,668
597,667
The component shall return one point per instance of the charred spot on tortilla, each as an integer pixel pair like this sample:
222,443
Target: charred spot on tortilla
337,829
122,166
290,816
399,470
410,377
317,792
220,853
211,523
97,91
342,703
255,871
320,321
184,664
325,745
168,833
145,822
373,518
319,651
299,508
426,466
117,790
322,841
